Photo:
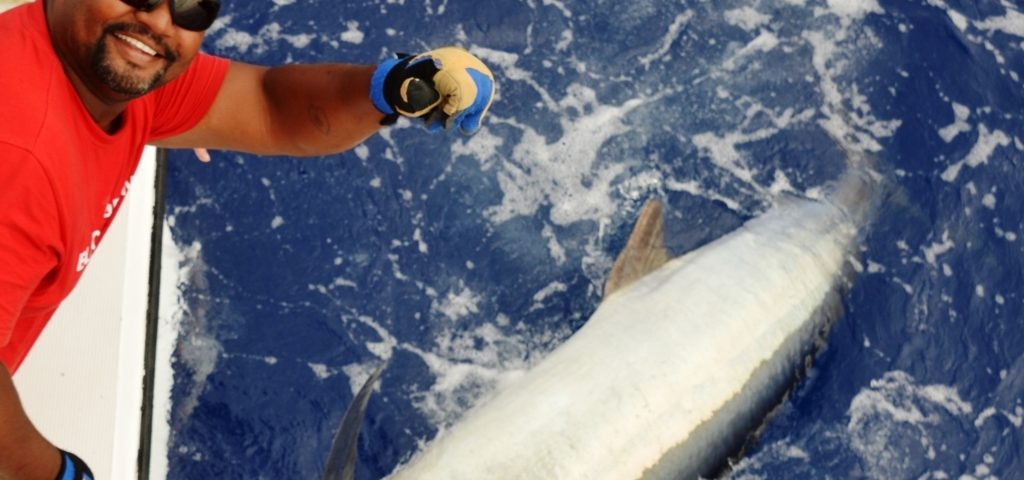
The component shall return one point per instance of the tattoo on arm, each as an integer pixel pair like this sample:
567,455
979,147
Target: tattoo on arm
320,119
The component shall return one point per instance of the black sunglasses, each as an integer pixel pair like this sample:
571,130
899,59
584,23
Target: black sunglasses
194,15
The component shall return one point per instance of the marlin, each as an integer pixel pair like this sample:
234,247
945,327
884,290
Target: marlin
681,363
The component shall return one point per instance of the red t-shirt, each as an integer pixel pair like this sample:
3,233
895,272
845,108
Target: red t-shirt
62,179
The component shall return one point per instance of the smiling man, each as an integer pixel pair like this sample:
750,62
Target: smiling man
86,84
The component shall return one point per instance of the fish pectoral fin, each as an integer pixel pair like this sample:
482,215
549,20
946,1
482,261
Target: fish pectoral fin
645,250
341,462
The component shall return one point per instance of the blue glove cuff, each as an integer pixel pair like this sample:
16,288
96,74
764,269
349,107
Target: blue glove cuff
469,121
73,468
377,85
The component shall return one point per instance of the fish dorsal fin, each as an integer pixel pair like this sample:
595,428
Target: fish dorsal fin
341,462
644,253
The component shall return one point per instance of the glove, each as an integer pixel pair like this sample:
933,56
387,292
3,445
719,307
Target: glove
73,468
446,87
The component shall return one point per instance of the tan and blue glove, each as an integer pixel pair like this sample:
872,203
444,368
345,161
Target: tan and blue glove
447,87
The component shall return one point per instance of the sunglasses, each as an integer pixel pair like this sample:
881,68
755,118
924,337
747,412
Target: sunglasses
194,15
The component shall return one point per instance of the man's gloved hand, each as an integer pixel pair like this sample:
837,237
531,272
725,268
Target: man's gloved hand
446,87
73,468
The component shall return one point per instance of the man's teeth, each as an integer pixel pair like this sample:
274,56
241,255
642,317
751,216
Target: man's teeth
137,44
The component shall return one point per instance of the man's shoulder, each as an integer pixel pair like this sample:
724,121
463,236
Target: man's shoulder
22,31
28,69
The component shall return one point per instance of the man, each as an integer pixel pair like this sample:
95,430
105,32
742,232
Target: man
85,84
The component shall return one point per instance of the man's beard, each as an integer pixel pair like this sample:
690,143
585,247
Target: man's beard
124,79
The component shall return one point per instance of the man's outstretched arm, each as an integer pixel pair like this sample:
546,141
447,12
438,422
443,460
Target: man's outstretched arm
24,453
307,110
299,110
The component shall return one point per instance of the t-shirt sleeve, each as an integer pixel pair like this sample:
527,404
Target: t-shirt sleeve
183,102
29,233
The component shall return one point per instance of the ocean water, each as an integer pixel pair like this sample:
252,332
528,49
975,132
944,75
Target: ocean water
464,260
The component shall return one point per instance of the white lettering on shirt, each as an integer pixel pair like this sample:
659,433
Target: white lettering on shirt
83,260
94,239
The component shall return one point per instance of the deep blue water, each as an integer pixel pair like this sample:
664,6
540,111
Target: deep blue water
464,260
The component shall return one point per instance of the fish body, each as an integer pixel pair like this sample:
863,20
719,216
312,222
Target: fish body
676,368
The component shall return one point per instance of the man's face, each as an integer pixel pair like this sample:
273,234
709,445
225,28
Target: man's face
119,52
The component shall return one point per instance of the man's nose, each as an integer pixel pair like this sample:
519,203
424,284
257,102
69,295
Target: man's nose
159,19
